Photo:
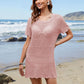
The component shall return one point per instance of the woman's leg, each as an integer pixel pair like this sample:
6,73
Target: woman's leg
51,80
36,80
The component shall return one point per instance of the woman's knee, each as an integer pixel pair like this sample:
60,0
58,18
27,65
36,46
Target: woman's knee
36,80
51,80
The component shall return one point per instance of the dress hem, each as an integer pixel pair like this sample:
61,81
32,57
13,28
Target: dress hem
39,77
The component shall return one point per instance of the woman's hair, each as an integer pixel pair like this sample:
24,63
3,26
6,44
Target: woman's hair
36,12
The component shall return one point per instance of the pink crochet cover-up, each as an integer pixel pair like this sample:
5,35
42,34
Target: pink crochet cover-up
40,60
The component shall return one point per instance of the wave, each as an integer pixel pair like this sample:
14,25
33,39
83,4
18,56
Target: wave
16,22
12,22
17,27
76,24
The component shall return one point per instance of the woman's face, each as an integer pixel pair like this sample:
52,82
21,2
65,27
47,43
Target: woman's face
41,3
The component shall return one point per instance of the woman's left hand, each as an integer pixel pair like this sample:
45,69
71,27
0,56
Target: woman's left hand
55,45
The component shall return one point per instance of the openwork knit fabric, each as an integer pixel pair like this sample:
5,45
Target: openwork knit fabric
40,60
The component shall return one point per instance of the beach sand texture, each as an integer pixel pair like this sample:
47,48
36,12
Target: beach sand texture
67,73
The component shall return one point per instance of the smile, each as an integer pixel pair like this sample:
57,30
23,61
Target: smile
39,4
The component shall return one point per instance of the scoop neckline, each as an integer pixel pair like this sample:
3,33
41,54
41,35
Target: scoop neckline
46,20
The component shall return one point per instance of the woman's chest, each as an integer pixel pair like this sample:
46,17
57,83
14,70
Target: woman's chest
47,29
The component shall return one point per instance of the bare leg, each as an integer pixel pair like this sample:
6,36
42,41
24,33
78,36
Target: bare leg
51,80
36,80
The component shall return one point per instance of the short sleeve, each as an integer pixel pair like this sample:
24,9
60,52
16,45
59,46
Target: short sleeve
28,28
63,26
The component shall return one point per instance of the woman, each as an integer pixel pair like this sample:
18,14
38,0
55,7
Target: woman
42,31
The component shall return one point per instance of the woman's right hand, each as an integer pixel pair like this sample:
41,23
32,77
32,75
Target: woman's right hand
21,70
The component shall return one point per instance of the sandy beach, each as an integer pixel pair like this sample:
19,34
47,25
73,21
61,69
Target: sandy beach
67,73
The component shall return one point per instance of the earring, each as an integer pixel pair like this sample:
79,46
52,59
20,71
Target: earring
48,3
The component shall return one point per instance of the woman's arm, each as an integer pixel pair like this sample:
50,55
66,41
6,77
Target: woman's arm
68,37
26,44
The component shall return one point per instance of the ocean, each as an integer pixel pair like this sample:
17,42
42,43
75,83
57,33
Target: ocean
10,52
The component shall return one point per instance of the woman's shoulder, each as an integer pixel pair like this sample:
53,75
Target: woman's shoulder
58,16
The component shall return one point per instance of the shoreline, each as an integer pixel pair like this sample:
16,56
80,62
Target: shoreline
72,71
16,66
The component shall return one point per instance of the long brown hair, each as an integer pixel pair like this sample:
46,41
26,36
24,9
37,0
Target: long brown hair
36,12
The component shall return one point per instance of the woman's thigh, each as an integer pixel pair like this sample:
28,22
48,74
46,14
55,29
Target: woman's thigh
51,80
36,80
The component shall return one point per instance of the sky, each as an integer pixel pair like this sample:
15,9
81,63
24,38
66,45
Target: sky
20,9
